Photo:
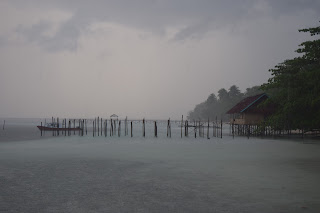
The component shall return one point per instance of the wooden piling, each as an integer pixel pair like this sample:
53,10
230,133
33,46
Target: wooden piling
79,125
98,125
125,127
82,126
65,127
111,127
106,128
131,129
233,129
208,129
168,129
52,122
187,128
155,129
143,128
213,129
221,128
85,123
58,126
74,126
181,125
169,125
93,127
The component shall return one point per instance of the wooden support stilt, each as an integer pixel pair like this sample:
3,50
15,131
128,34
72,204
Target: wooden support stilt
58,126
110,127
168,129
93,122
169,126
79,122
187,128
126,127
85,122
221,128
233,129
105,128
181,125
143,128
98,125
82,126
208,129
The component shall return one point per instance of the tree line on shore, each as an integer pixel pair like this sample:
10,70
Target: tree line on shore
294,90
216,106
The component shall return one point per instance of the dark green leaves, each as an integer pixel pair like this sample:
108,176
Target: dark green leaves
296,82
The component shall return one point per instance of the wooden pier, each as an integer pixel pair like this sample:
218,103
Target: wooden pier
113,127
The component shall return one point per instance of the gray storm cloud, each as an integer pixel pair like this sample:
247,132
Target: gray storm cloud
195,17
141,58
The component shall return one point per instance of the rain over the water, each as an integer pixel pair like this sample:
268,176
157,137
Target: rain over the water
160,106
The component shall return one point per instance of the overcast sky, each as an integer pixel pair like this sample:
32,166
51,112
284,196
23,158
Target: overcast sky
141,58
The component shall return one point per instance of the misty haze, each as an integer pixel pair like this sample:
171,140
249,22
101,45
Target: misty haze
159,106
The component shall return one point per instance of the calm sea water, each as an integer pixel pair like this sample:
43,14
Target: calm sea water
124,174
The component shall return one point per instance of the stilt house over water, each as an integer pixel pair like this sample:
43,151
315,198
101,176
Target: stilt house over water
247,111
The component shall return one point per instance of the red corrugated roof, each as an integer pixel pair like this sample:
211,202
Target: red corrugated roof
246,103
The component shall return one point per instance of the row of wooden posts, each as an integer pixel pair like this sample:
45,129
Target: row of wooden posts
100,127
262,130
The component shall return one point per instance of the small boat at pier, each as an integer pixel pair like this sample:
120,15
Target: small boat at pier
55,127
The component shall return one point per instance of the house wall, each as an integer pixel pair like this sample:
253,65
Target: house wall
249,118
253,118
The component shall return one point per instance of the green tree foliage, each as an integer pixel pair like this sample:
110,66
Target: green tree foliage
223,95
235,93
216,106
295,86
252,91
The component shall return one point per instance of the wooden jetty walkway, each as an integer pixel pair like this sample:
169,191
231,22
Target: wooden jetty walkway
116,127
